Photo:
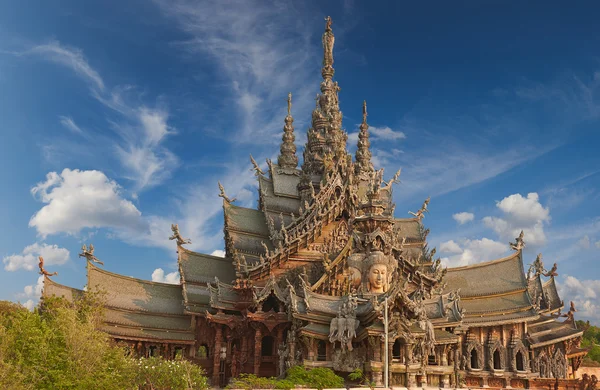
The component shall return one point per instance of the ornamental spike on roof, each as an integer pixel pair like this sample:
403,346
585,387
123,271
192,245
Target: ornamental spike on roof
363,152
288,159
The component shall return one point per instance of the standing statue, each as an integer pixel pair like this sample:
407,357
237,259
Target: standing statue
176,236
89,254
519,242
328,42
43,270
224,196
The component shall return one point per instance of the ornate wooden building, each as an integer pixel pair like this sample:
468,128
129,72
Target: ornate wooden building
308,274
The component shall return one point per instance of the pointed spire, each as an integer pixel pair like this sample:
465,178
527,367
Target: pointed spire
363,153
287,158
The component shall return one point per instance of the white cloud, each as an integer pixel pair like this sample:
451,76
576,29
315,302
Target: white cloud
34,290
463,217
82,199
597,244
450,247
29,304
28,259
472,251
386,133
584,242
218,252
584,293
70,57
159,276
70,124
520,213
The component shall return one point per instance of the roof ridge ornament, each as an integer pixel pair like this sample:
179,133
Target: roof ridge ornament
421,213
177,236
256,168
89,254
43,270
519,243
223,195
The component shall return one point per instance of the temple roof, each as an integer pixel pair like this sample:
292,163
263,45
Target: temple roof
245,220
127,293
198,268
488,278
51,288
549,330
277,203
285,184
553,299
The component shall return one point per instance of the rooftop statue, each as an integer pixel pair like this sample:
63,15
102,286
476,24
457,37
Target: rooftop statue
256,168
552,271
393,180
222,194
43,270
89,254
519,242
421,213
177,236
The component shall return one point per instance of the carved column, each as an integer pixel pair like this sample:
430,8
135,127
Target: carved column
244,353
217,355
257,347
279,341
411,380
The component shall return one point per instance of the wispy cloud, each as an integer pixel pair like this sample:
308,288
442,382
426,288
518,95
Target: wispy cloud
262,50
70,124
142,129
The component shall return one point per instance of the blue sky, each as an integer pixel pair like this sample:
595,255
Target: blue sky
118,118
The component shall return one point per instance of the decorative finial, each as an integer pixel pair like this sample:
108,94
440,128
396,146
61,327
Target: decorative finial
519,243
226,199
421,213
364,111
288,159
177,236
89,254
43,270
328,23
256,168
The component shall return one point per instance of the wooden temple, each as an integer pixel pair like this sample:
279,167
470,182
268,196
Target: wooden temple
307,275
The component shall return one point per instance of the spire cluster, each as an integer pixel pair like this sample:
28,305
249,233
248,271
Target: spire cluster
363,153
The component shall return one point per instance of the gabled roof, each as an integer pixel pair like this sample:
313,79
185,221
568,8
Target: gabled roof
492,277
198,268
245,220
274,202
284,183
51,288
551,294
549,330
136,295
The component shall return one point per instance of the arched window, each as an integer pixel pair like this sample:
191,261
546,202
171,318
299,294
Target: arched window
202,352
321,351
474,358
497,362
267,346
397,350
519,359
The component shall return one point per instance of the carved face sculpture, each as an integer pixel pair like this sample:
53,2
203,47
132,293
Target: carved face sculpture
378,276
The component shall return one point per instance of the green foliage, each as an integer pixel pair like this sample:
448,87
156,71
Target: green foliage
158,373
317,378
59,347
359,375
591,339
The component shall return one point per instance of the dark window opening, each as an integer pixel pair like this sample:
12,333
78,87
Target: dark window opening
271,303
202,352
321,351
266,348
431,360
396,350
153,351
497,365
474,360
520,363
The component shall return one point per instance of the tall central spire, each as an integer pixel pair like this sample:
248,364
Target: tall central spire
325,136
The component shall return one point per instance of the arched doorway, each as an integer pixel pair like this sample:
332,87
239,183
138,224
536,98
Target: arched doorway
520,361
497,361
474,359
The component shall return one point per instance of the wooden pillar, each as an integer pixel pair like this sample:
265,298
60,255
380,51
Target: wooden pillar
279,341
244,353
257,351
217,356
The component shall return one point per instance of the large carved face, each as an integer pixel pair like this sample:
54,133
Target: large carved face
378,276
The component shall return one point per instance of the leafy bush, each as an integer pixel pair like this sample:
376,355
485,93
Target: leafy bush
317,378
60,347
